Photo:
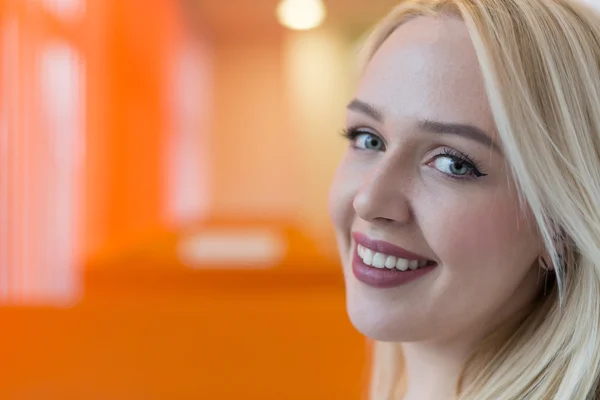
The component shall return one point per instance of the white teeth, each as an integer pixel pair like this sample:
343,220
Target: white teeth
380,260
367,257
390,262
402,264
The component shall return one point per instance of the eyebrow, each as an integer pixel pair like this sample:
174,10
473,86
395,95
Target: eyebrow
464,130
365,108
444,128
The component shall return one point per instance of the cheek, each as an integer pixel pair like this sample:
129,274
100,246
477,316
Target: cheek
345,185
487,249
341,197
489,232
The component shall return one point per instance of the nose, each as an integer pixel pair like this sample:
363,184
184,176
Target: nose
382,198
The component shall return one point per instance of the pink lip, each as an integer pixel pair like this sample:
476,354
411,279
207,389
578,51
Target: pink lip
383,277
385,247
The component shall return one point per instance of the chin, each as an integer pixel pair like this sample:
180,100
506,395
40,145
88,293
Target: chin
374,329
382,321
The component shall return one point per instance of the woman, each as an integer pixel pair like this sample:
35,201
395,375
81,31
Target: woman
467,207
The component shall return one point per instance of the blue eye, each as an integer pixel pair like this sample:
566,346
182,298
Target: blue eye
451,166
456,165
363,140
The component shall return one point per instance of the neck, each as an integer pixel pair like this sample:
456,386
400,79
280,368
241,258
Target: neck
432,371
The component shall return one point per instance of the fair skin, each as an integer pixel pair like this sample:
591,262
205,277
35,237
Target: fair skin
439,189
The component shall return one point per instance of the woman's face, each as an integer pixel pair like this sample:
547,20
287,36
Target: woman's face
433,240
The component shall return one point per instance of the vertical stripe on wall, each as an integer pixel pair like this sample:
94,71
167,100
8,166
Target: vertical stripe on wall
10,104
61,84
188,158
42,107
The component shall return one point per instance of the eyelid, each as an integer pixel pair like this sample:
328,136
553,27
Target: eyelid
353,131
361,129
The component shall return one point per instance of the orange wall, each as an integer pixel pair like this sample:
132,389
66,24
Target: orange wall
255,157
137,47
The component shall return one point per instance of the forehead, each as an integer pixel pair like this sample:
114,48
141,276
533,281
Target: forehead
427,68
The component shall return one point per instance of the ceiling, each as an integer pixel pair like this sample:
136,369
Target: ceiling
260,14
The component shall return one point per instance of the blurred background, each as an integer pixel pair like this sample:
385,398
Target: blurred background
164,168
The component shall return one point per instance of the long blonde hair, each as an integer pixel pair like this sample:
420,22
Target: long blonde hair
541,66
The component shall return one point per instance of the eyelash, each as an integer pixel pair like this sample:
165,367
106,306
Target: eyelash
476,169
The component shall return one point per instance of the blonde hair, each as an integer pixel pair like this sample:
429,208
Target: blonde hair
541,65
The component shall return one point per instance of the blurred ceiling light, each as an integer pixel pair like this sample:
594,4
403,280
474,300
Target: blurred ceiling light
301,14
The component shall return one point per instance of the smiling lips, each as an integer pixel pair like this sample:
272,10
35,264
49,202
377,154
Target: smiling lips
382,264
